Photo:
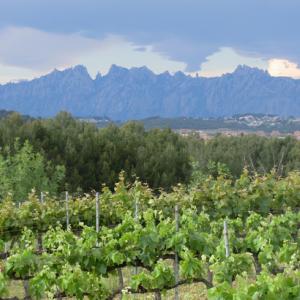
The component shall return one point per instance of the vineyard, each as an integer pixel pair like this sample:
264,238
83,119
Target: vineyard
229,239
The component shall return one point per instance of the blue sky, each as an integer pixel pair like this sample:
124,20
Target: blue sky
209,37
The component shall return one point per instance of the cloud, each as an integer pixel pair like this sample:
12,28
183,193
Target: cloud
283,67
15,74
225,60
185,31
140,49
34,49
28,52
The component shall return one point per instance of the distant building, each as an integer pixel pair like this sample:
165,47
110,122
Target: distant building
297,134
275,133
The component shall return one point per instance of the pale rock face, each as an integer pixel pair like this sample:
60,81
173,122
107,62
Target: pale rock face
138,93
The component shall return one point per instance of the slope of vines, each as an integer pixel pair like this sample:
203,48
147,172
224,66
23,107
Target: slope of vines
55,261
218,197
265,248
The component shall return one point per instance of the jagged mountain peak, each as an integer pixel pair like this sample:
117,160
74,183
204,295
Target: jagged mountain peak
78,71
244,70
116,71
141,71
179,74
136,93
75,69
165,74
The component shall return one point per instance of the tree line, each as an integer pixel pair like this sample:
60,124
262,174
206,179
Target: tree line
62,153
256,153
88,157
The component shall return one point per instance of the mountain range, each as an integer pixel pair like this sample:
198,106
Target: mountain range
137,93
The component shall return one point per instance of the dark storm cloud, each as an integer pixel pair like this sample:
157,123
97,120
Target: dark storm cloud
184,30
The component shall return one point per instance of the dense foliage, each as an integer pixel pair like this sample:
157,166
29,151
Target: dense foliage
258,154
263,222
218,197
265,249
93,156
137,225
25,170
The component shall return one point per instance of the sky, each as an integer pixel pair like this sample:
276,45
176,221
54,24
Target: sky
204,37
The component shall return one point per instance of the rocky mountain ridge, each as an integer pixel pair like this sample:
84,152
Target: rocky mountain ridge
138,93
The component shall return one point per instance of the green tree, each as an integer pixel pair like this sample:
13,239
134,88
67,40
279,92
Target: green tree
25,170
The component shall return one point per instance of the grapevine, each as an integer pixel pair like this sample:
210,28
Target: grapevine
55,261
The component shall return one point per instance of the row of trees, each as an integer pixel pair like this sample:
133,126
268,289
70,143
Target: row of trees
64,153
257,154
93,156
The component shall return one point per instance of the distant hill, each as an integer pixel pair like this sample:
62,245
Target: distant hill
138,93
4,113
241,122
245,122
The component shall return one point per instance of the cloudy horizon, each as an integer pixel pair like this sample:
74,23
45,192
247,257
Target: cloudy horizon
205,37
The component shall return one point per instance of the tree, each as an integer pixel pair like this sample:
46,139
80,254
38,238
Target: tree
25,170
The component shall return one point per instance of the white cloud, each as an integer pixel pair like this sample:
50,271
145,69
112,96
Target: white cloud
37,50
28,52
283,67
226,60
14,74
124,53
